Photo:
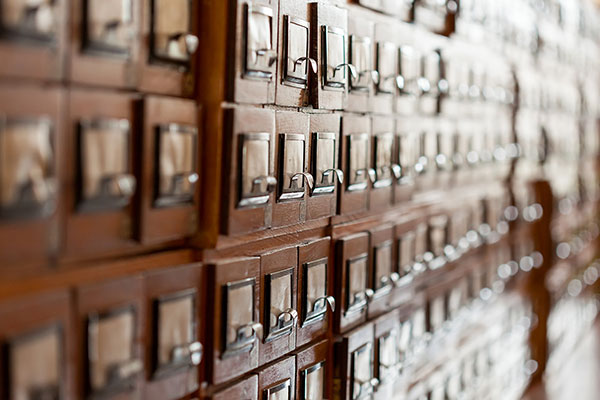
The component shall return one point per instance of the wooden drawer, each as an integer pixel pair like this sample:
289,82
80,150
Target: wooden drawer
387,364
278,316
361,30
170,170
382,266
406,156
352,272
234,286
250,169
173,351
168,47
387,172
329,36
323,165
278,381
315,283
355,160
255,59
246,388
313,372
293,178
99,173
354,354
36,334
295,62
105,42
386,65
110,320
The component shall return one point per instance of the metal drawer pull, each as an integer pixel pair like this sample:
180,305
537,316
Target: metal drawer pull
311,62
328,172
310,181
351,67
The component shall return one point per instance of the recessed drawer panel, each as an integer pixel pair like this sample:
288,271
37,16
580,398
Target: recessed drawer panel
255,166
35,362
105,180
27,173
108,26
324,147
296,51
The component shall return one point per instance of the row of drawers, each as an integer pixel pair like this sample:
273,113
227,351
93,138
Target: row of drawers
332,58
276,156
149,45
148,333
121,169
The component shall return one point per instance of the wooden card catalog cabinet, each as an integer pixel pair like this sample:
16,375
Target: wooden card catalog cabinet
361,30
329,43
169,45
355,375
314,293
174,349
251,169
383,276
100,148
387,364
279,316
33,36
109,315
105,42
352,270
293,178
34,349
409,83
29,134
312,372
295,62
256,52
356,161
234,286
278,381
170,170
323,165
387,171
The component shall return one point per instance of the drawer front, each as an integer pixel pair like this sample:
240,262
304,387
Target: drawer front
352,271
35,348
234,285
251,170
110,314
